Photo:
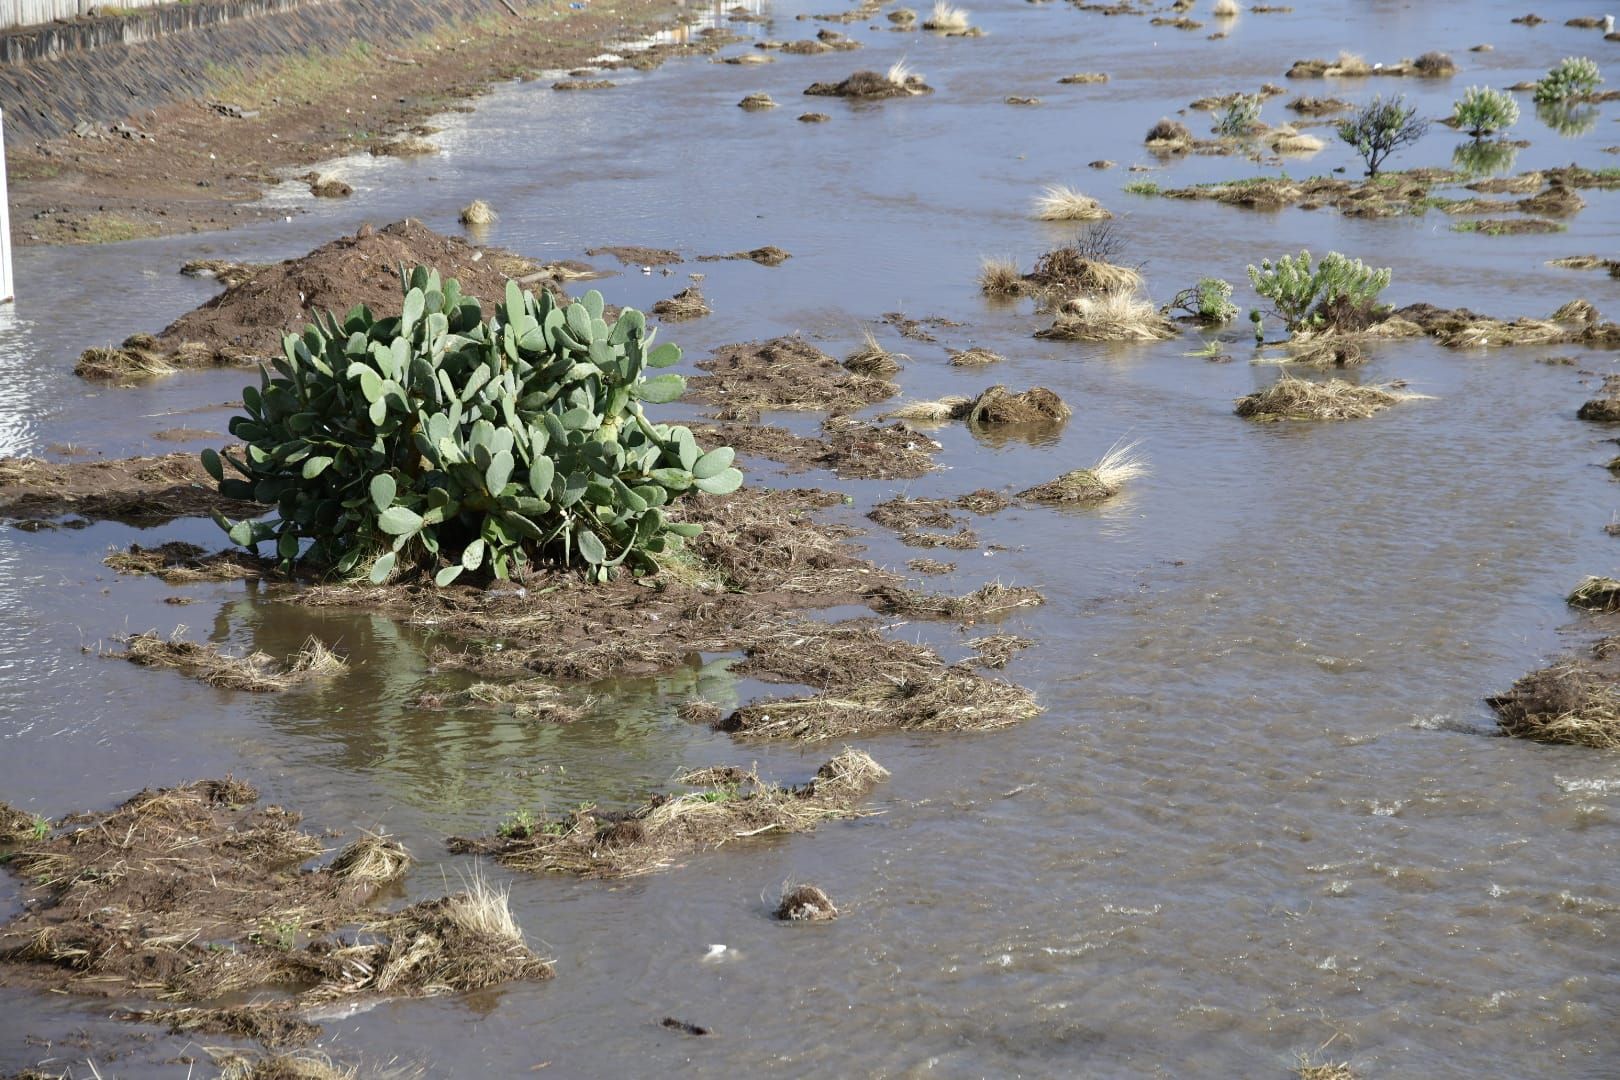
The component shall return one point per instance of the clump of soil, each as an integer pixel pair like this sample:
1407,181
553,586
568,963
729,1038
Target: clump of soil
1325,350
584,84
1084,78
1068,270
814,118
327,187
805,903
686,304
872,86
1603,410
1037,405
16,825
1575,323
1169,137
404,147
987,602
727,806
769,255
1587,262
1298,399
783,373
114,912
142,356
1102,481
138,490
177,563
300,1065
1509,226
975,357
1307,105
247,321
256,672
1569,702
1596,594
629,255
756,102
930,566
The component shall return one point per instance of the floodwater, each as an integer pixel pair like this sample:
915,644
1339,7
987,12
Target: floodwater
1261,814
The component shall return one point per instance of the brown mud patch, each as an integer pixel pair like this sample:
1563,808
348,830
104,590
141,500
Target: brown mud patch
729,804
138,490
905,513
930,566
255,672
1576,323
203,168
769,255
992,601
849,449
785,373
190,894
635,256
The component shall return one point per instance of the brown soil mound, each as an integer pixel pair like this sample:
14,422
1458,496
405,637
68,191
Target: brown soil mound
139,490
930,566
805,903
1569,702
850,449
1459,328
729,805
1596,594
16,825
638,256
870,86
686,304
249,319
256,672
769,255
996,650
1037,405
1317,106
189,894
903,512
783,373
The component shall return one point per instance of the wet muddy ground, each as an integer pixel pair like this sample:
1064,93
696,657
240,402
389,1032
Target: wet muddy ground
1262,813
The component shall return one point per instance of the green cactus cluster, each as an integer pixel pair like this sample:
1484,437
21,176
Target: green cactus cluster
1483,111
437,440
1301,294
1574,76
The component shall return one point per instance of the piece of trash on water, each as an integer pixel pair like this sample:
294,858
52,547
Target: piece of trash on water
715,952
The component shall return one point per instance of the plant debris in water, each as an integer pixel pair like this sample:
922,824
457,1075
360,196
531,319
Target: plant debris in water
686,304
1102,481
872,86
805,903
256,672
769,255
178,563
115,913
1596,594
784,373
1570,702
138,490
1290,398
729,804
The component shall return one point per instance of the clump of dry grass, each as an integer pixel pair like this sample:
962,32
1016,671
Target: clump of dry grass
256,672
478,212
1083,78
1037,405
1596,594
407,146
872,359
730,805
902,16
805,903
1062,203
530,699
975,357
1120,465
946,699
1568,702
945,16
938,411
755,102
1308,1069
995,650
1325,350
986,602
1000,277
375,857
298,1065
1285,140
177,562
1065,271
1109,316
1291,398
1434,65
1169,136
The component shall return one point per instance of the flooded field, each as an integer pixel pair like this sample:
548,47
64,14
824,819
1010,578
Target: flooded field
1263,814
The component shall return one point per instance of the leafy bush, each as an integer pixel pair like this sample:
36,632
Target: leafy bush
1379,129
1210,301
1572,77
1305,298
436,438
1483,111
1241,117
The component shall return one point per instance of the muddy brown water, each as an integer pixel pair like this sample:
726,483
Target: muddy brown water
1261,813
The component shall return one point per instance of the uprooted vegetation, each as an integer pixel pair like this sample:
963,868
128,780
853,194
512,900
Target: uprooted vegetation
1060,273
784,373
255,672
1120,465
995,405
138,490
114,913
179,563
898,82
1572,701
1291,398
246,323
729,804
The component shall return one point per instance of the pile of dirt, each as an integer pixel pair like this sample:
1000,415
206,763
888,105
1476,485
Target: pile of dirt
138,490
729,804
872,86
114,912
255,672
248,320
784,373
1569,702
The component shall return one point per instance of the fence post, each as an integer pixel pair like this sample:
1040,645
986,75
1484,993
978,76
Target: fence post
7,293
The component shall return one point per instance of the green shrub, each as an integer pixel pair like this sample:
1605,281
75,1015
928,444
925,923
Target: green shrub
1379,129
1210,301
1241,117
1306,298
1483,111
434,438
1572,77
